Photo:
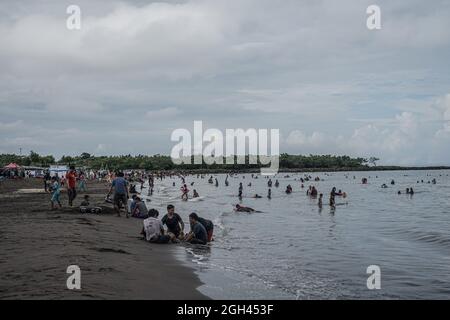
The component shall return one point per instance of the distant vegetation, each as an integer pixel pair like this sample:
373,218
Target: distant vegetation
161,162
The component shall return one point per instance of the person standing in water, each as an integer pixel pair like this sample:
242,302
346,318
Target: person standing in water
332,200
269,194
320,202
240,190
184,191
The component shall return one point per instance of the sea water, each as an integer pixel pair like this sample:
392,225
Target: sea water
292,249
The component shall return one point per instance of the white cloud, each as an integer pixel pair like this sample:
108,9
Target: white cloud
162,113
306,67
405,139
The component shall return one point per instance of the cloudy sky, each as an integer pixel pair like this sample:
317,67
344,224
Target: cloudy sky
137,70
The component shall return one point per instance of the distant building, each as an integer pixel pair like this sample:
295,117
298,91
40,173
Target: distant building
58,170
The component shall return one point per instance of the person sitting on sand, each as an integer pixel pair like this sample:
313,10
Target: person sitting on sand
140,209
55,189
240,208
198,234
85,202
174,223
195,194
131,204
153,230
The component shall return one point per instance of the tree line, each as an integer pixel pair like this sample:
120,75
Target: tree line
163,162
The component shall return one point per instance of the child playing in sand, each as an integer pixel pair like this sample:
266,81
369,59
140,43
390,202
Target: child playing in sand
56,192
85,206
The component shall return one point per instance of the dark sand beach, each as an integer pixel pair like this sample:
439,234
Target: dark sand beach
37,246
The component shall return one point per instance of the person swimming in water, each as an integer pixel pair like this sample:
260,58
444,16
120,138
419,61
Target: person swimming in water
195,194
289,189
256,196
239,208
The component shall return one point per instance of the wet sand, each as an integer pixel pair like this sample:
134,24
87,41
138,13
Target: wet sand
37,246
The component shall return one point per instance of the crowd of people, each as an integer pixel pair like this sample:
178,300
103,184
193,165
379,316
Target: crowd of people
170,228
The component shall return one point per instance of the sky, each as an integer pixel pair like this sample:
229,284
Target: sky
138,70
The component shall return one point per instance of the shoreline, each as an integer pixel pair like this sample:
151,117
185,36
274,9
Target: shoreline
39,244
294,170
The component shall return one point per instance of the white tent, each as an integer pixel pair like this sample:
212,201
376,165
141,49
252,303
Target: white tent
59,171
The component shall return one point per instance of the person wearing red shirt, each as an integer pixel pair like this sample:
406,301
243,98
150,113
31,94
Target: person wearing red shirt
71,177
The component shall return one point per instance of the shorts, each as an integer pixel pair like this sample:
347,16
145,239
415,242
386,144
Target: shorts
161,239
118,197
197,241
176,232
210,235
55,197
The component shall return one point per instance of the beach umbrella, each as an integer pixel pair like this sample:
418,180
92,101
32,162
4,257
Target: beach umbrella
12,166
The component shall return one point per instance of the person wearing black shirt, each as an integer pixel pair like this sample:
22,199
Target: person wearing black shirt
173,222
